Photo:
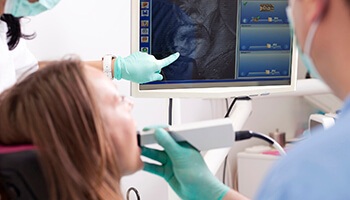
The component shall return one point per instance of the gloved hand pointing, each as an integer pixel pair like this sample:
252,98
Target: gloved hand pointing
184,169
141,67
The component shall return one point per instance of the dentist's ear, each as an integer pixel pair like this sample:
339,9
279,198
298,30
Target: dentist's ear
316,9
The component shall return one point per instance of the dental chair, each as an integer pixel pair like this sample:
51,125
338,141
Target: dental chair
20,174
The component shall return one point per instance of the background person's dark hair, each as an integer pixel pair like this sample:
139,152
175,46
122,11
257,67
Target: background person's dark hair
14,33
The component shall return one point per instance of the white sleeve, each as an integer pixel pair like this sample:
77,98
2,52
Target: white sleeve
24,61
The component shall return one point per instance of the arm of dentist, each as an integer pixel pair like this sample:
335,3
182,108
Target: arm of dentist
138,67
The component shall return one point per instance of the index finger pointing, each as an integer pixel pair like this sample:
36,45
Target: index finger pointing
168,60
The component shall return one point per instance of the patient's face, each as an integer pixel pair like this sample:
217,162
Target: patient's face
116,113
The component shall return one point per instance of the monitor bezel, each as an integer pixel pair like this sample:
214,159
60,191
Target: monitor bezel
212,92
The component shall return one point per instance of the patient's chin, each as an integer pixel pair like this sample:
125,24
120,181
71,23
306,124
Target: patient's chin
137,165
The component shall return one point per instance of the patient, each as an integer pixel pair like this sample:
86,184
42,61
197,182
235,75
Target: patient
75,115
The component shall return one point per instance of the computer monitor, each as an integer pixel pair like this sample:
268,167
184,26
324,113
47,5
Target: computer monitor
228,48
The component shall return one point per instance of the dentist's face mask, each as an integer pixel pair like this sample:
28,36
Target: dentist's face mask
305,56
21,8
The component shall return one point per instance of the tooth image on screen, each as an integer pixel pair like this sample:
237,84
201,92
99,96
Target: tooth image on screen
267,7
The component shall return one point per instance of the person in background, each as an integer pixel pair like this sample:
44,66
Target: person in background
17,61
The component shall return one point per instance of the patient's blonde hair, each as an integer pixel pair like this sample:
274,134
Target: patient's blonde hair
54,109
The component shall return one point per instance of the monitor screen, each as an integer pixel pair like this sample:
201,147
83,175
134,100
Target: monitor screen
240,45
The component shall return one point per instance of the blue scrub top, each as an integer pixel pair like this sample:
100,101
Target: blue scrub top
317,168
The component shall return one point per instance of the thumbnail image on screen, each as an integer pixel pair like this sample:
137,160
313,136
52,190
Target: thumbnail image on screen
225,42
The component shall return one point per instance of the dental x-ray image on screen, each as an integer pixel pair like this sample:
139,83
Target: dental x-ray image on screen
223,43
198,30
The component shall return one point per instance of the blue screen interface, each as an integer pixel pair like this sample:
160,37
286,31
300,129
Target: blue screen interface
226,42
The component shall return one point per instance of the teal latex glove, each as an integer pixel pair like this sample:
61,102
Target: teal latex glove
141,67
184,169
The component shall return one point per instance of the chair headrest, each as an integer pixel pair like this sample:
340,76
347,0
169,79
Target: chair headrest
20,173
14,149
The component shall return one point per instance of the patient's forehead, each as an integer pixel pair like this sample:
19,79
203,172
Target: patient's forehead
94,73
100,83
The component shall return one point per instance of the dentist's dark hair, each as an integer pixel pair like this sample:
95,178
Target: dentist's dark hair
14,33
